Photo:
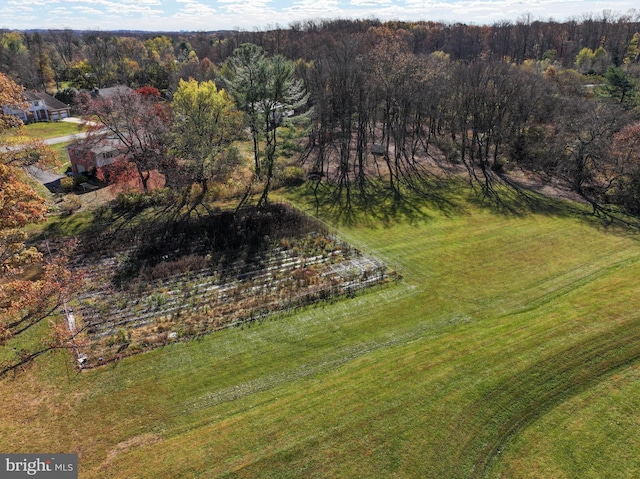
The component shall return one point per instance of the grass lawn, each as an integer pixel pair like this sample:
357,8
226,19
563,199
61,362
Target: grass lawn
511,349
63,156
45,130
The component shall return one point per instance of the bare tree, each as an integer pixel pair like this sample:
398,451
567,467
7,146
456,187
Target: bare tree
138,123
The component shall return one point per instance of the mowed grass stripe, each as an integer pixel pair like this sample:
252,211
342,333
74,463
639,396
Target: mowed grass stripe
593,435
381,401
289,453
553,382
558,378
414,380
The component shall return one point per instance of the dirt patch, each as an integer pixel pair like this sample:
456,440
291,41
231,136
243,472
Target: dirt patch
132,443
551,187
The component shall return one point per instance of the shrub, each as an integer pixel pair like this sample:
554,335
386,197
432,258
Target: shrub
162,196
167,269
292,176
288,148
498,166
70,204
121,336
156,300
135,201
132,201
67,96
67,184
79,179
626,193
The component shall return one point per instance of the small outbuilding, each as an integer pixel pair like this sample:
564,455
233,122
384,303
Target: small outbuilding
378,150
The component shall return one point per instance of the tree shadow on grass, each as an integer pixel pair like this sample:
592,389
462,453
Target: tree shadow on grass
512,199
377,204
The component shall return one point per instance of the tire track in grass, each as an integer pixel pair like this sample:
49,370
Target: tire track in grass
569,281
265,383
528,395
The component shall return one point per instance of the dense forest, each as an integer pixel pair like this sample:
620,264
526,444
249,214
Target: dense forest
46,59
392,104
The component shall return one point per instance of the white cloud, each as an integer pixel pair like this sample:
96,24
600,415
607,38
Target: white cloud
370,3
196,9
125,9
17,9
304,9
251,14
488,11
35,3
142,2
249,8
87,10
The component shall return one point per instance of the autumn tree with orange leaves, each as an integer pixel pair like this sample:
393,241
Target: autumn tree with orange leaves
32,287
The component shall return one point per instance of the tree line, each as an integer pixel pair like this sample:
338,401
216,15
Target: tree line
385,102
384,114
384,109
47,59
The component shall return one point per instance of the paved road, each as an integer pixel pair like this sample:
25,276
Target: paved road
63,139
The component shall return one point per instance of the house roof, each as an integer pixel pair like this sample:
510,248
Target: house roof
30,96
100,144
109,92
50,102
108,145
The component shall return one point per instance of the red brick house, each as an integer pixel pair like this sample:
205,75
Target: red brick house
88,158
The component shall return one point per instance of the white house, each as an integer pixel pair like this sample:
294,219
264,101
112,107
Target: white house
42,107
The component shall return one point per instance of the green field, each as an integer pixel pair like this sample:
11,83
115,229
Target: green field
510,349
45,130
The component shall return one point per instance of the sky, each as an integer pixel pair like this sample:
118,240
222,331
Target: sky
210,15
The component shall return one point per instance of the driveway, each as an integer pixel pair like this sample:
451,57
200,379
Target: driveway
49,179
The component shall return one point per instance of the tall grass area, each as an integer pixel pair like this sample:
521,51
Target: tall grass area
510,349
